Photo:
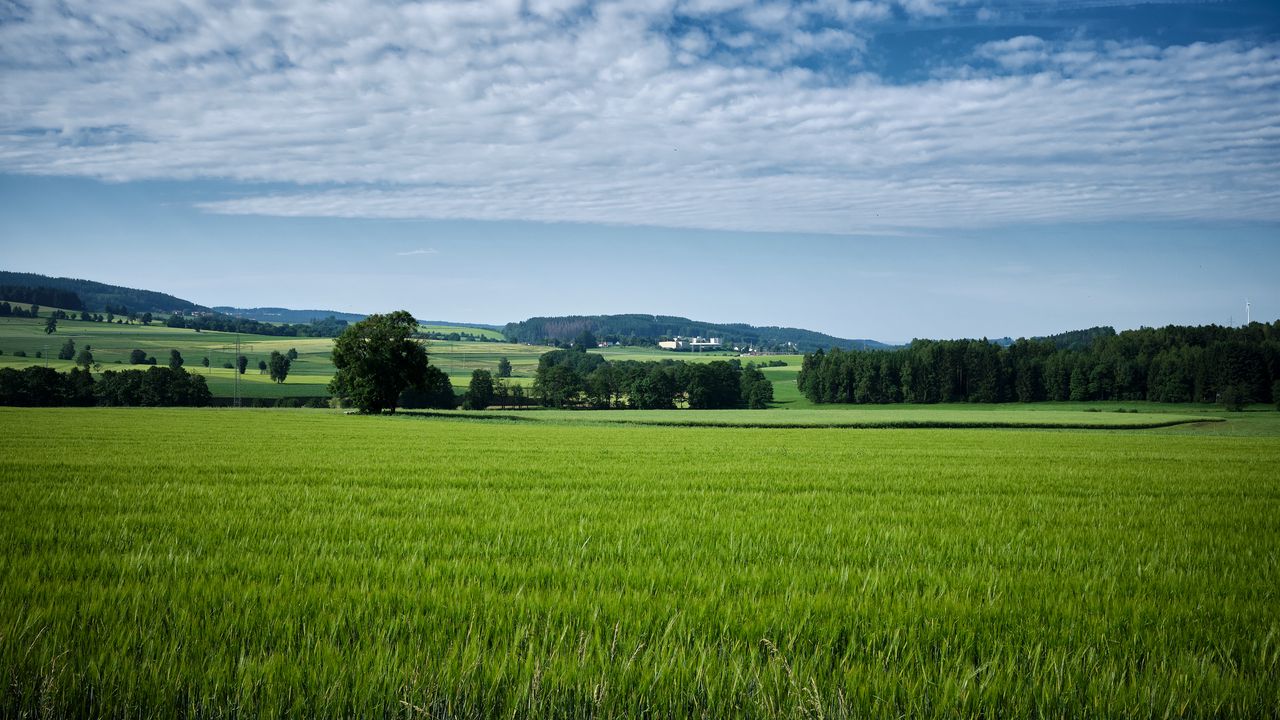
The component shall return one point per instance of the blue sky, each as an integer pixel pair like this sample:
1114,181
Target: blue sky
869,168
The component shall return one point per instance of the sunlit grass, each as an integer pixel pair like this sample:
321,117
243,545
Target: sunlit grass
265,563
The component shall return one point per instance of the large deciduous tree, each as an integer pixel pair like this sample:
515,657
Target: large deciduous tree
377,359
279,365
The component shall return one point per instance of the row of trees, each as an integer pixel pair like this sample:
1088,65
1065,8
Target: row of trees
325,327
155,387
575,378
1171,364
7,310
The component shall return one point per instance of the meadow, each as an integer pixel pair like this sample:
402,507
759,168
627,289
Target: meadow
316,564
309,374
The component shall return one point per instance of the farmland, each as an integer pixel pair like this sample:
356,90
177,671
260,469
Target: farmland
310,373
319,564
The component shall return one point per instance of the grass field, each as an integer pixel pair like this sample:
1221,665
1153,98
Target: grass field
315,564
310,373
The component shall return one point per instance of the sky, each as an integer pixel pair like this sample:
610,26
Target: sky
884,169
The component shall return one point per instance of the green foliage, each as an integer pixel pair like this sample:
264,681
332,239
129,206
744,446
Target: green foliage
68,350
279,365
376,360
242,364
315,565
153,387
1171,364
436,392
175,360
504,367
50,326
85,358
480,392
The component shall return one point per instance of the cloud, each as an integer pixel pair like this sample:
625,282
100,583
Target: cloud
420,251
725,114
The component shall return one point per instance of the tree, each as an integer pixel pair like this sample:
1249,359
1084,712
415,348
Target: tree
50,326
480,391
242,363
68,350
376,360
137,357
262,366
85,358
585,340
175,360
146,318
204,361
292,354
504,368
436,392
279,365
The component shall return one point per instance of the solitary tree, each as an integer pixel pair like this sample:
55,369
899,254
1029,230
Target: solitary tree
376,359
504,368
50,326
175,360
204,361
262,366
68,350
85,358
146,318
242,362
292,354
279,365
137,357
480,391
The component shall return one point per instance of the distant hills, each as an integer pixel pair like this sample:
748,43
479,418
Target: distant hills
637,328
97,296
285,315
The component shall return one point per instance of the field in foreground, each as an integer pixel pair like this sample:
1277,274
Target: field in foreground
263,563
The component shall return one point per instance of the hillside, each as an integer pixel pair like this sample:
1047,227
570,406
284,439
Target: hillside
285,315
97,296
647,329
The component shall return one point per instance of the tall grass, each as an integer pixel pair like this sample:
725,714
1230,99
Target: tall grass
156,563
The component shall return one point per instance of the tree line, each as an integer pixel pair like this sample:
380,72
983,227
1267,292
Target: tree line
576,378
325,327
37,386
636,330
47,296
1202,364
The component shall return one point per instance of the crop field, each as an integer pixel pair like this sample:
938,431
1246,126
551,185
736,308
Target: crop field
254,563
310,373
308,376
857,416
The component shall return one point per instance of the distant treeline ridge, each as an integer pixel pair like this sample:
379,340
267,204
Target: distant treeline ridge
1171,364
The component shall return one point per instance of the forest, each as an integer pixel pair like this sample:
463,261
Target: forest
648,329
1173,364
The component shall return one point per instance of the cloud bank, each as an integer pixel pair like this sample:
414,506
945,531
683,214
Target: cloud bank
719,114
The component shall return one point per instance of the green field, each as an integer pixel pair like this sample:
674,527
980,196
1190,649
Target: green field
252,563
311,372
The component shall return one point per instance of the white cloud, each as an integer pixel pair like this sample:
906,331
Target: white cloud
601,114
420,251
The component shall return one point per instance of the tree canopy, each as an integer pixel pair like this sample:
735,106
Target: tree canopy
376,360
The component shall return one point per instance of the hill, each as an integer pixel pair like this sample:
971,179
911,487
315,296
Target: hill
98,296
647,329
285,315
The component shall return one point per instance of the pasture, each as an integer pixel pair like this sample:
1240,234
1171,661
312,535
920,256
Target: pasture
308,563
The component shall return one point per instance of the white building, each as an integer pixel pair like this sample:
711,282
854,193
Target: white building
694,343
